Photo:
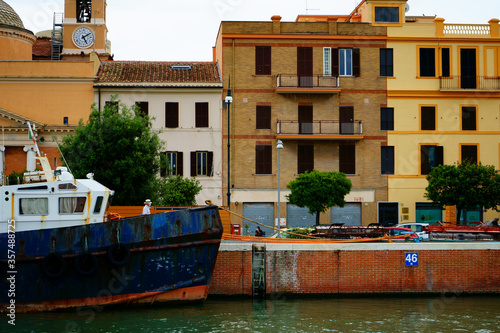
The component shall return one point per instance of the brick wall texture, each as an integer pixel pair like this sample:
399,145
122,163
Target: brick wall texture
371,272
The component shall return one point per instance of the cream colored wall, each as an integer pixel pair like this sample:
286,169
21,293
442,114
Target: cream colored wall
410,30
187,137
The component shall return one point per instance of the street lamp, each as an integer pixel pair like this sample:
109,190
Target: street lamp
279,146
228,101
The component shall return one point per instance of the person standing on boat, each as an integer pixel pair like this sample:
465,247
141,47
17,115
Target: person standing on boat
259,232
147,207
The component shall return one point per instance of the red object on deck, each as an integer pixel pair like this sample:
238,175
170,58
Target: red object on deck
235,229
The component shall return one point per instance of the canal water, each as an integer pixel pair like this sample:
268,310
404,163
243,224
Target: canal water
443,313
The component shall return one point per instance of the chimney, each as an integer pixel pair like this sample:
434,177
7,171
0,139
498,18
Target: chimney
276,24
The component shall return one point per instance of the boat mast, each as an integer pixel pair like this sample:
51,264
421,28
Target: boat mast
44,161
34,140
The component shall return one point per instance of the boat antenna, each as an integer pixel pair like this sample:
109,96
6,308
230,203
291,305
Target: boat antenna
60,152
34,139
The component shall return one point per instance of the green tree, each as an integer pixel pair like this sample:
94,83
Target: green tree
319,191
466,186
179,191
120,149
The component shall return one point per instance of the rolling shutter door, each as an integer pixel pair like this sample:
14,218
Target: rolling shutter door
258,212
350,214
299,217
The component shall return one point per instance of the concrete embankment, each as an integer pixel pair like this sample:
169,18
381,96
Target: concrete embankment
364,268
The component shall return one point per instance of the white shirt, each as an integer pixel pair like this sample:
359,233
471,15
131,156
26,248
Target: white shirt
145,210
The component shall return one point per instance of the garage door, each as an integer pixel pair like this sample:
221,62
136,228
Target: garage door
350,214
258,212
299,217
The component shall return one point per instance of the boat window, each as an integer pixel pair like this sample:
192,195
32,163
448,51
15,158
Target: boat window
40,187
73,205
67,186
98,204
34,206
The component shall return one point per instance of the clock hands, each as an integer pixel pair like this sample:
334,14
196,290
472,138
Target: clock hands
84,37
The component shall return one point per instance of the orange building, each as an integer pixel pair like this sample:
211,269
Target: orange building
53,94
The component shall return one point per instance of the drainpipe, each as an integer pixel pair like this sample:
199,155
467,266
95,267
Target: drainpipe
99,98
232,111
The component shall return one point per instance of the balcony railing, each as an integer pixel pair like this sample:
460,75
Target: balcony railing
467,29
313,81
319,127
470,82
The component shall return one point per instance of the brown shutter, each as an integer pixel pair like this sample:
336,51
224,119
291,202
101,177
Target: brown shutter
263,117
305,158
210,163
258,159
347,159
180,164
263,159
201,114
305,119
193,164
346,117
171,115
356,62
144,107
163,162
263,60
335,62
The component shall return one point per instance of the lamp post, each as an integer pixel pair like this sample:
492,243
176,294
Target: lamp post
279,146
228,101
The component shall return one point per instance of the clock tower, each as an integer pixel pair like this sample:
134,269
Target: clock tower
84,29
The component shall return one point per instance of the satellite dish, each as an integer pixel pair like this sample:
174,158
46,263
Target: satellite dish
407,7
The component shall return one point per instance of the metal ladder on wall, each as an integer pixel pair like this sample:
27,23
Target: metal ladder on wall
57,37
258,271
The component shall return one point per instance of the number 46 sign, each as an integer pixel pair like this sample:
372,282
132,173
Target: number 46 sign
411,259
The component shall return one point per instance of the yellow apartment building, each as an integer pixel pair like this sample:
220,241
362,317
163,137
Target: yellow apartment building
443,102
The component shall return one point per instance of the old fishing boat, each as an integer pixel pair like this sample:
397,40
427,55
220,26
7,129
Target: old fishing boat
60,250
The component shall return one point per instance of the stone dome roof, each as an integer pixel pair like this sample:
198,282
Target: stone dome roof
8,17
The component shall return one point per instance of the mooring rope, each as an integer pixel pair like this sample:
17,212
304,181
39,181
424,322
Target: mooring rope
385,237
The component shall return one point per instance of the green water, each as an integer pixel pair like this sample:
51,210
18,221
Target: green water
444,313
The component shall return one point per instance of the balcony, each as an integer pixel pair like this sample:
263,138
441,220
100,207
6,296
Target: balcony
490,83
315,84
319,130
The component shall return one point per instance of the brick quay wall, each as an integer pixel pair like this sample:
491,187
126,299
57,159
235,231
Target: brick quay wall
363,268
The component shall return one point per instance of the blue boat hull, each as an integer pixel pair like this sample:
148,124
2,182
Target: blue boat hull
157,258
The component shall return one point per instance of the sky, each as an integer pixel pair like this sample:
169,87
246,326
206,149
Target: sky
168,30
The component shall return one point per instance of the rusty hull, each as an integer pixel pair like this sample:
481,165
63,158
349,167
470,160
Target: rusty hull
171,257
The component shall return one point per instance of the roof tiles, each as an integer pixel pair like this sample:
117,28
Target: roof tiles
156,72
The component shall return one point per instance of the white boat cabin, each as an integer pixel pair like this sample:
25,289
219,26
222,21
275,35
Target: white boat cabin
53,200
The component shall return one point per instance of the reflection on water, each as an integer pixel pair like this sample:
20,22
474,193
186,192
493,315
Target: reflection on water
444,313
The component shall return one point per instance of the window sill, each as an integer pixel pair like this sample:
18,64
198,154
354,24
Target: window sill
262,75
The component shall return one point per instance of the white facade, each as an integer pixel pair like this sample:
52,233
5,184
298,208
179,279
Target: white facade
185,138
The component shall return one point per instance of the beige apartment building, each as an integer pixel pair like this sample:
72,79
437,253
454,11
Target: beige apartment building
317,87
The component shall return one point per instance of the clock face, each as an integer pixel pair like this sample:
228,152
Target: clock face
83,37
